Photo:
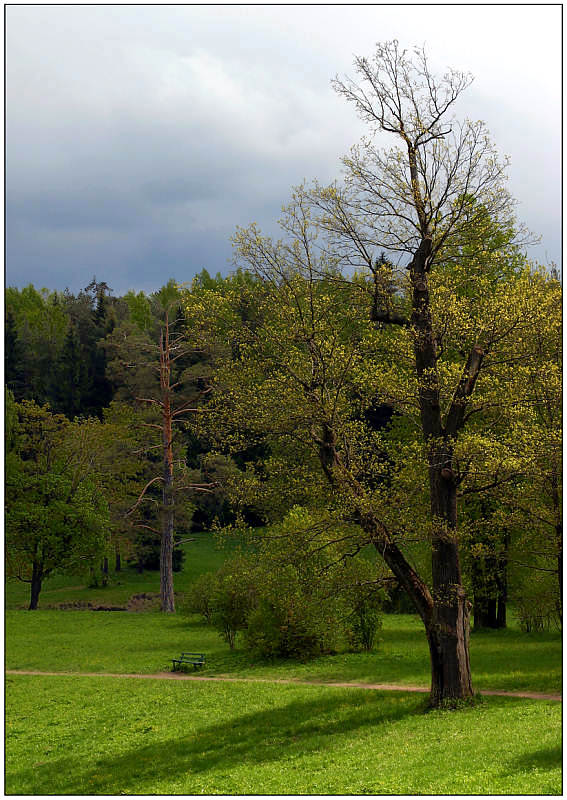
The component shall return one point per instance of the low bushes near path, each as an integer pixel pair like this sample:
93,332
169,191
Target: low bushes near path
98,641
295,594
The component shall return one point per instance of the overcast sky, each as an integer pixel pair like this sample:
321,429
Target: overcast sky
139,137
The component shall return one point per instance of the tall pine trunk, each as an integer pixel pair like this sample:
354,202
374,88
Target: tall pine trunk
168,524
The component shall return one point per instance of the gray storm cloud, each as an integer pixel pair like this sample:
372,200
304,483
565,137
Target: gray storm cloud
139,137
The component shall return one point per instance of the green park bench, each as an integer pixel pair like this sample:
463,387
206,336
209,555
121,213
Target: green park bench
196,659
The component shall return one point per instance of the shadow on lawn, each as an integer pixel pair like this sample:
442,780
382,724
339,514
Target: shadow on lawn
546,759
298,728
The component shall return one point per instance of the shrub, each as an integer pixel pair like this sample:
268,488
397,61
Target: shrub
199,598
291,619
233,597
366,621
360,583
295,598
537,603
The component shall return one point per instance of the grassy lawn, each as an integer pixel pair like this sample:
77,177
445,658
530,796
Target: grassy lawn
82,735
117,641
78,735
204,554
99,641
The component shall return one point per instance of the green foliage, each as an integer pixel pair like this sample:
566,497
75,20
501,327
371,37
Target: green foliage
57,517
199,598
139,307
232,598
291,622
292,595
536,601
366,598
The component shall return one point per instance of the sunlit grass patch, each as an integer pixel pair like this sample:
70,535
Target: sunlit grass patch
77,735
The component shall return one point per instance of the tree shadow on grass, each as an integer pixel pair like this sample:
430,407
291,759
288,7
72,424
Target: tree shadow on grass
254,739
546,758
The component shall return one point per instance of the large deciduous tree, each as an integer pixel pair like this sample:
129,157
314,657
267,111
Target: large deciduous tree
444,338
420,200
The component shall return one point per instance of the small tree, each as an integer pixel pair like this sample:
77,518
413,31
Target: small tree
56,518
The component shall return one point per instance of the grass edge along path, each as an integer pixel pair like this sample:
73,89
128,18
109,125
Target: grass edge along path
176,676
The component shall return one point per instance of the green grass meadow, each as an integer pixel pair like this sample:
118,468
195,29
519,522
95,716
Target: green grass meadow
78,735
101,735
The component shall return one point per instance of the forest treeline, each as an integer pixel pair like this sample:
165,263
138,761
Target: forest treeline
80,368
76,367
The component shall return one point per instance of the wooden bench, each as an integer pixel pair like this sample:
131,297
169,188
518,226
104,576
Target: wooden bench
196,659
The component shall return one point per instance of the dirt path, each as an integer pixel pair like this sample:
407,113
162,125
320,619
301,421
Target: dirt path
179,676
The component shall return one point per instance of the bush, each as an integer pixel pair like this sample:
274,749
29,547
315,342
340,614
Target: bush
366,621
295,598
233,597
360,583
292,620
199,598
537,603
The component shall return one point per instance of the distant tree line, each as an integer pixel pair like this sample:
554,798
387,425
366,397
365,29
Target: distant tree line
92,361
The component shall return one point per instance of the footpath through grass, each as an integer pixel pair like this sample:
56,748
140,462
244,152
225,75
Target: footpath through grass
78,735
99,641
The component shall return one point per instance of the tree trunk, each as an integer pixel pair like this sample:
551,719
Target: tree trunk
166,550
502,584
449,630
448,626
486,612
166,566
490,585
36,580
448,639
501,612
117,563
559,537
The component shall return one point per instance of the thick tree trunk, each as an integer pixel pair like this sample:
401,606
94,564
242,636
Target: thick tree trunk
448,639
36,581
449,631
